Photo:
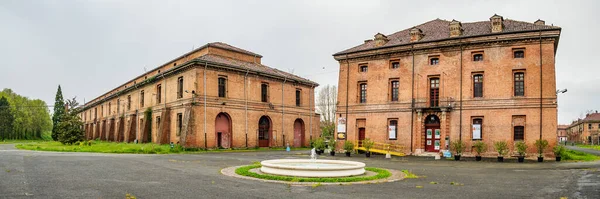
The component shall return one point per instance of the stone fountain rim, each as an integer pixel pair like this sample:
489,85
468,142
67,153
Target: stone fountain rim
348,165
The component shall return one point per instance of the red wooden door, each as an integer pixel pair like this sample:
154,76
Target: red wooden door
361,136
264,132
298,133
432,139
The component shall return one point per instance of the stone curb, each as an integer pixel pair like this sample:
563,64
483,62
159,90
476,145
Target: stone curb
396,176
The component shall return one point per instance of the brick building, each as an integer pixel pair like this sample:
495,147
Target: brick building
586,130
217,95
561,134
446,80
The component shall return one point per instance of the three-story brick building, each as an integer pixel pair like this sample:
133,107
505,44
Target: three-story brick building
446,80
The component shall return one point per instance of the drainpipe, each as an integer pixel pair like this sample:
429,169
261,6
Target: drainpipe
310,108
347,90
461,94
412,103
165,82
246,101
282,112
541,85
204,77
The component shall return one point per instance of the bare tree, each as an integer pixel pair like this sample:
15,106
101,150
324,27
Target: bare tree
326,106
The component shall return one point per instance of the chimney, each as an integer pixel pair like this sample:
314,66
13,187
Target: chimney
455,28
415,34
539,22
380,39
368,40
496,21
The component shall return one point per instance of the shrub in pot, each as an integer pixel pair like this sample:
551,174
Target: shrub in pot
332,145
458,146
541,145
348,147
521,149
558,151
368,144
502,149
319,145
480,147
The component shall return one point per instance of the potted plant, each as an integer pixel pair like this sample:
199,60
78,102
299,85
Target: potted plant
480,147
368,144
332,145
521,149
319,145
558,151
458,146
541,145
502,149
348,147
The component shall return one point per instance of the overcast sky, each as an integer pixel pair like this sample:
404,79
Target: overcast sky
91,47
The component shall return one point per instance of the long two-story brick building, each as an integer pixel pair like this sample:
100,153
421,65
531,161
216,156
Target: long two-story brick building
217,95
447,80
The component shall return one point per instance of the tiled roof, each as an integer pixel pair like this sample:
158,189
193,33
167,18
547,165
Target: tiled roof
230,47
563,126
438,29
255,67
592,117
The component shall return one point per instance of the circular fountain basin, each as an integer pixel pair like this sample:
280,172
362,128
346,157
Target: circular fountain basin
312,168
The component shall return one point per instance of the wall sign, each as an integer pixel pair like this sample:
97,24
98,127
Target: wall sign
476,131
341,128
392,132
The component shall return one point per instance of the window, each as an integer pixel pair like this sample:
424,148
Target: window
478,85
222,87
519,53
157,122
393,129
174,64
109,108
180,87
118,106
298,97
434,92
395,65
589,126
363,93
102,111
395,85
434,61
477,130
128,102
179,123
478,57
95,113
363,68
519,84
142,98
264,92
158,89
519,132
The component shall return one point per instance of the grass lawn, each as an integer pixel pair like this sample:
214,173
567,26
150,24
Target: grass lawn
18,141
595,147
245,171
579,156
119,147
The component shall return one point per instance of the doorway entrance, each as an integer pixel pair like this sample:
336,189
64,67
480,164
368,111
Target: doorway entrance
432,133
299,133
264,131
223,131
361,136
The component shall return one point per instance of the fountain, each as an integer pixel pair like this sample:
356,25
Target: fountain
312,167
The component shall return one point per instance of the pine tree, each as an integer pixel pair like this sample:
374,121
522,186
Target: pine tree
6,119
59,111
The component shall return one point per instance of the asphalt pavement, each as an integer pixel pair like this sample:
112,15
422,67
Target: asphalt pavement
33,174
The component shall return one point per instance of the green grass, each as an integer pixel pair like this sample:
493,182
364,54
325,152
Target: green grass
595,147
18,141
119,147
579,156
409,175
245,171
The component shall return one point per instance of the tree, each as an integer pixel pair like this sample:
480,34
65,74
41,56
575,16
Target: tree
326,106
59,111
31,118
69,128
6,119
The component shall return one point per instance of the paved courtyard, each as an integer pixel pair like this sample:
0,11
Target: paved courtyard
31,174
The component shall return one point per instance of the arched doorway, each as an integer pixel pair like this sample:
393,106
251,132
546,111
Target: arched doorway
223,131
299,133
432,133
264,131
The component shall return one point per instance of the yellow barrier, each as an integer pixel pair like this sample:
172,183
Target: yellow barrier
382,148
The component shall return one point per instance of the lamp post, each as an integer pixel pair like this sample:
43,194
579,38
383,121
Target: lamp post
559,91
